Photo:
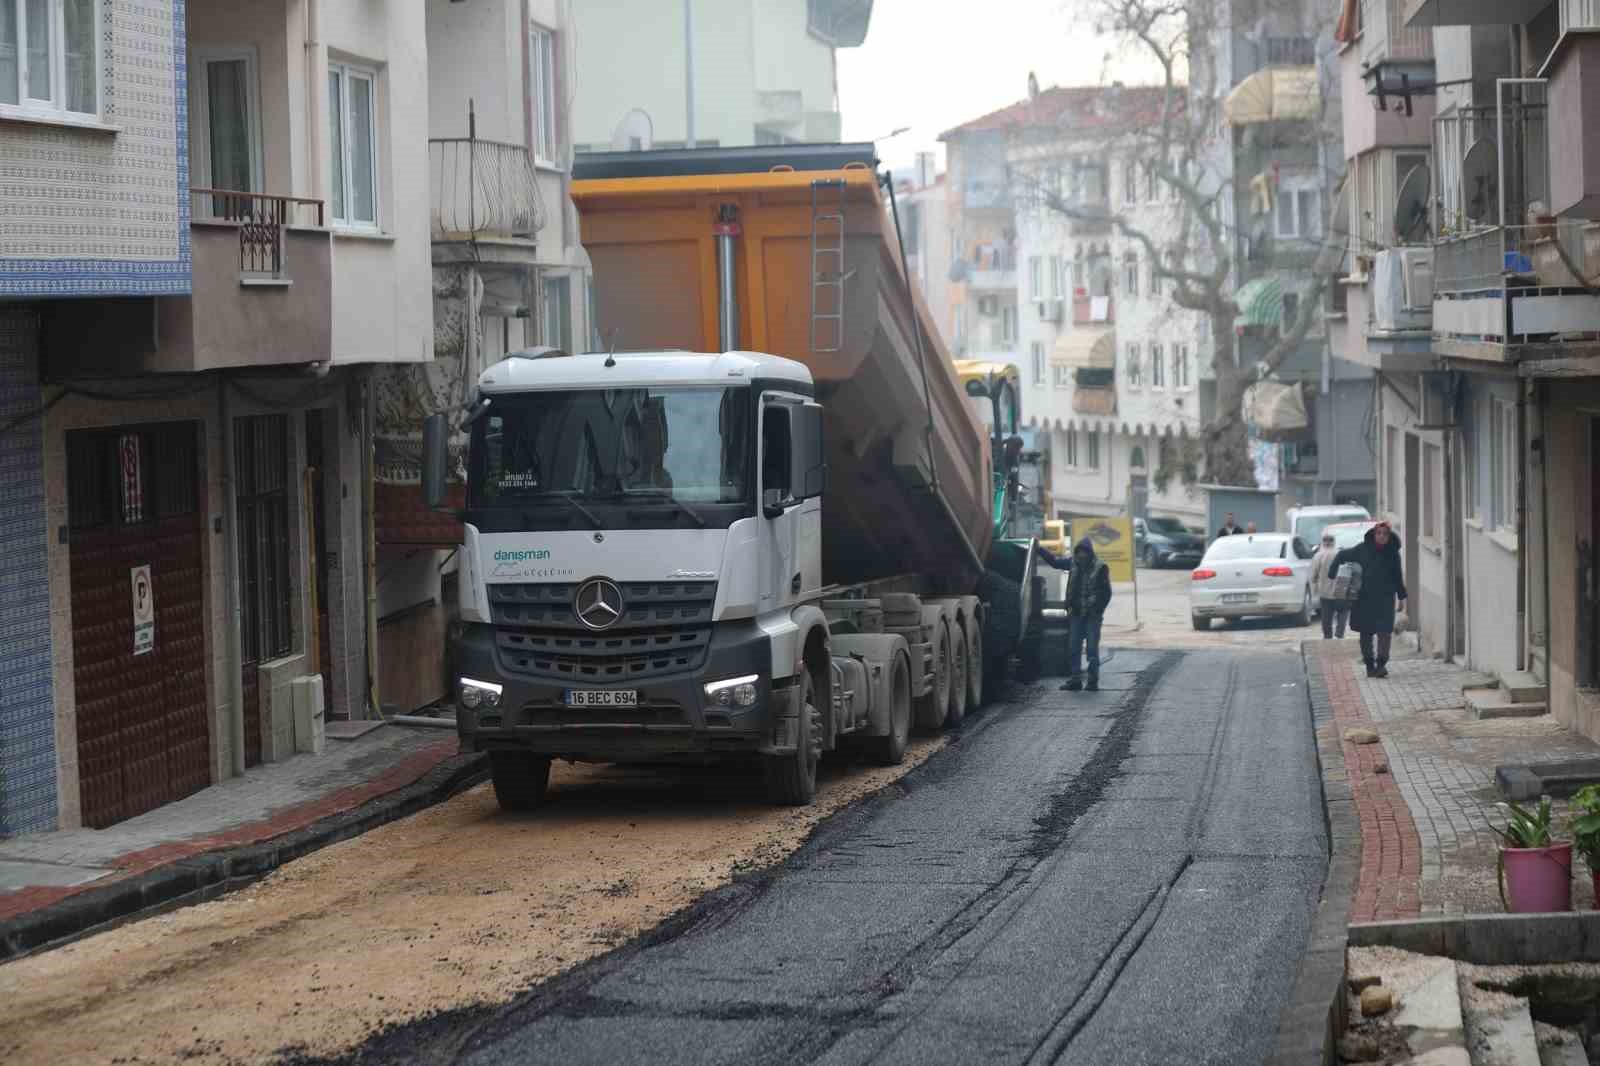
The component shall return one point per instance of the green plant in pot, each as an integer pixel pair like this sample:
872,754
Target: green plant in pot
1535,868
1585,816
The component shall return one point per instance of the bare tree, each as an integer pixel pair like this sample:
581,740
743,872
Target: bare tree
1174,129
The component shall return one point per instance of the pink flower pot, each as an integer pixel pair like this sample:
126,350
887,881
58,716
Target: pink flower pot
1536,880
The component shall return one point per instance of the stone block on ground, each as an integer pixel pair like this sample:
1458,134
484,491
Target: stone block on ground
1500,1032
1559,1047
1496,703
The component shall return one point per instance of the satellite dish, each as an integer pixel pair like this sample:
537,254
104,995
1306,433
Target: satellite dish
635,133
1480,186
1411,207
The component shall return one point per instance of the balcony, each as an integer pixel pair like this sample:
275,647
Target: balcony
1386,36
1472,12
1506,291
1093,310
1094,400
483,190
993,268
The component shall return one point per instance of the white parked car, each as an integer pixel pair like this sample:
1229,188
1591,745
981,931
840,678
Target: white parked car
1252,575
1307,523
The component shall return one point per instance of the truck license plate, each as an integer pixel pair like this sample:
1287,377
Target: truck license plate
1238,597
601,697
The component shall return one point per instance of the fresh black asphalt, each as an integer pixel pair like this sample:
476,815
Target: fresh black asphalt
1121,877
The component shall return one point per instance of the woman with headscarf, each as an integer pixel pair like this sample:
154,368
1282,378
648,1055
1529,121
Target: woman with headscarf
1382,585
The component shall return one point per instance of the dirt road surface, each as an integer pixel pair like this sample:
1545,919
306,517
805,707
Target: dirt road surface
458,906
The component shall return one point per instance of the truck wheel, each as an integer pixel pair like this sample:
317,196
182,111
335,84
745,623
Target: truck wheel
520,779
792,778
931,709
890,750
960,670
976,668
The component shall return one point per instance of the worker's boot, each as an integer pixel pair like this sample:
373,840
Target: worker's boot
1073,684
1093,685
1382,668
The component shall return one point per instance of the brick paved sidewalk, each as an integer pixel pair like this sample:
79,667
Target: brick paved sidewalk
40,869
1425,794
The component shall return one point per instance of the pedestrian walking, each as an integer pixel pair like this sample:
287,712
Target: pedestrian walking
1335,610
1229,528
1088,595
1382,585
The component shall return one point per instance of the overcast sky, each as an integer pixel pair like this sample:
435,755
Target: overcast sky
934,64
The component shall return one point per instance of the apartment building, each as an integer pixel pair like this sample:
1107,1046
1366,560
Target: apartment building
215,223
708,73
509,273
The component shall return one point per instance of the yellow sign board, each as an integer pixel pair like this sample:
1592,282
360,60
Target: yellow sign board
1113,542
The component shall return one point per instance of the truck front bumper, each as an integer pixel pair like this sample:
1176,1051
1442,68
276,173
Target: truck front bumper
672,718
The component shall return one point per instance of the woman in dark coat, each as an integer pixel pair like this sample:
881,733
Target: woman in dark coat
1382,583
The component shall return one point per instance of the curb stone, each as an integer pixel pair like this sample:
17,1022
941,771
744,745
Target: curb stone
1310,1026
1491,939
197,878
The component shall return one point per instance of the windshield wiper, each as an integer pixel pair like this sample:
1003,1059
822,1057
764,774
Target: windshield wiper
572,502
664,498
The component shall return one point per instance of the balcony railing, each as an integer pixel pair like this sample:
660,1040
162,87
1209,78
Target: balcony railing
1518,257
483,189
261,220
1580,15
1093,310
1509,161
1385,35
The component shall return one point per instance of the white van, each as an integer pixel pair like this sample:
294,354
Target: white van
1307,523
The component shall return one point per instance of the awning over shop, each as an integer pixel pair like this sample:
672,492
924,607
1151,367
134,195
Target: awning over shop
1274,95
1260,302
1085,349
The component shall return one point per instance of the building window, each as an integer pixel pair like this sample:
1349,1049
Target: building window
1077,268
1155,279
1502,464
261,473
1072,447
1008,325
1130,182
226,118
1036,350
1391,469
1063,377
542,94
1430,492
1296,213
558,313
1094,449
1158,371
50,58
353,145
1055,277
1135,371
1152,187
1180,366
1130,275
1035,278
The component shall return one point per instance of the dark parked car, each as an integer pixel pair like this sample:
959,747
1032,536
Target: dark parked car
1167,542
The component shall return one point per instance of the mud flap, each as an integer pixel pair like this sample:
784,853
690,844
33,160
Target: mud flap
785,722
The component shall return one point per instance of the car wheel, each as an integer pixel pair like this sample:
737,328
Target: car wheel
1150,558
1304,617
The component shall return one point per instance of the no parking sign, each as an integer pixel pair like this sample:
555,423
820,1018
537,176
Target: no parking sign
144,611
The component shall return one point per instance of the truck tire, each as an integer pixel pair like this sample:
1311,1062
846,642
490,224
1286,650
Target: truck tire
891,750
520,779
1030,657
792,778
1004,622
932,708
977,668
960,671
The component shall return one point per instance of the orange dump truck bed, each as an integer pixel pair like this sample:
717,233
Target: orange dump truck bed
653,242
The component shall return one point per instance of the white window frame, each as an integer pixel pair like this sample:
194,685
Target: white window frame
200,112
1181,376
1130,276
1035,278
1055,277
1135,367
345,73
1063,377
1130,182
1158,369
556,282
1036,351
544,60
1072,447
1008,324
54,109
1292,193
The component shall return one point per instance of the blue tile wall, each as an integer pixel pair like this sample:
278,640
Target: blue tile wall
27,712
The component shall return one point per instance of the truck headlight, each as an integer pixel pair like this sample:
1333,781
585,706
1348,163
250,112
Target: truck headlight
475,694
733,692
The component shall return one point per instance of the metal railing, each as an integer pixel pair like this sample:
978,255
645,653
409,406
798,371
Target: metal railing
1511,164
1580,15
1385,35
1498,258
261,219
483,188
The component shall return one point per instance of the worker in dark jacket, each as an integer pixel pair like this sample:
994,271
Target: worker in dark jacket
1088,594
1382,584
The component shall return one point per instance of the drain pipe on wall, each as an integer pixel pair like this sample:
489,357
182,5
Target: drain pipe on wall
230,597
368,442
1522,526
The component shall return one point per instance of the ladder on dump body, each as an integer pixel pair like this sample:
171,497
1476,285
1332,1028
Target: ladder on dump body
827,265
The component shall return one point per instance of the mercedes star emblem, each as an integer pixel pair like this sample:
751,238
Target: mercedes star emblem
598,603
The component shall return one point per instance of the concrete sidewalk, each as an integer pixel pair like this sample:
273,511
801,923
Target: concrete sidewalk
1425,793
47,878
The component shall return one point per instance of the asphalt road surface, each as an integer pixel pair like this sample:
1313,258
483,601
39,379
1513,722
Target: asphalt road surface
1122,877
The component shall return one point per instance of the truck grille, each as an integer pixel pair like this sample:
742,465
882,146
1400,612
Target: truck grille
665,628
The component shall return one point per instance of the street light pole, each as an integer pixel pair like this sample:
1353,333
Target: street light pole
688,72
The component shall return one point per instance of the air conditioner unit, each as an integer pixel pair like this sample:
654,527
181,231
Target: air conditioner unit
1402,290
1050,310
1417,269
988,306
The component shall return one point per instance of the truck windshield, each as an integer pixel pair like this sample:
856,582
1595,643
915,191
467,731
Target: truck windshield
675,450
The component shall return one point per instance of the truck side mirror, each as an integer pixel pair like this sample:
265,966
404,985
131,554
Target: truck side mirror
811,455
435,459
772,503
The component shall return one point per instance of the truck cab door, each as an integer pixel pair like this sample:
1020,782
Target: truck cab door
778,496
